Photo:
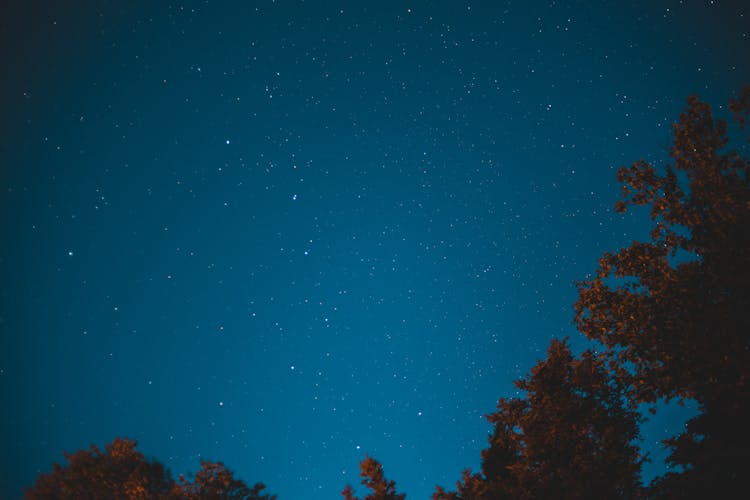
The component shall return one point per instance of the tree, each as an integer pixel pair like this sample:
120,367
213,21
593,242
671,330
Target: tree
571,436
374,479
118,472
122,472
470,487
672,312
215,481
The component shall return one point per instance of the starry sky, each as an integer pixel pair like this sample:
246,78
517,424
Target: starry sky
284,234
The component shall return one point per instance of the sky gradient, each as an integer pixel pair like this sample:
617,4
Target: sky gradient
286,234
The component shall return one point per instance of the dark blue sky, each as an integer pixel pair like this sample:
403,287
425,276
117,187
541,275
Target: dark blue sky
285,234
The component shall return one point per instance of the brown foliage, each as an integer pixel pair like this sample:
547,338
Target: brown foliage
374,479
571,436
673,312
118,472
680,322
215,481
122,472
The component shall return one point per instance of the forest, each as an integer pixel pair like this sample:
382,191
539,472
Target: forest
666,319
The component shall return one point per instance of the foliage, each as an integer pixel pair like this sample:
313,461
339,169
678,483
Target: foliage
673,312
374,478
571,436
470,487
215,481
122,472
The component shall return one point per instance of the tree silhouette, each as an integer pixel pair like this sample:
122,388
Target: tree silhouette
215,481
673,312
122,472
374,478
471,487
571,436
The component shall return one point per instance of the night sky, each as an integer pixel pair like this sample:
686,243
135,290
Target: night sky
286,234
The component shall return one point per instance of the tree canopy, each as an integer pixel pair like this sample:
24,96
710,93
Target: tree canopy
671,315
374,479
571,436
672,312
120,471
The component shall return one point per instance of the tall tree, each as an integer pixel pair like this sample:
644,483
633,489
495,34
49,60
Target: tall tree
571,436
374,478
673,311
